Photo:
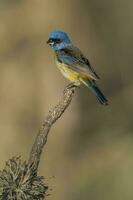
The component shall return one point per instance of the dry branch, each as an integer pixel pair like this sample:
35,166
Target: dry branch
19,180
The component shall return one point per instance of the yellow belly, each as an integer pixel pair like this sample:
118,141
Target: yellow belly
68,73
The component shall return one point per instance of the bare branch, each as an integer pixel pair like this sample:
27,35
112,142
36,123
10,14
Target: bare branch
51,118
19,180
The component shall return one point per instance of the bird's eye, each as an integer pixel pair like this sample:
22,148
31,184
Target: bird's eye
52,41
57,41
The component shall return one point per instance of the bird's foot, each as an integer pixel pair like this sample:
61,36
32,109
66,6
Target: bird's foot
70,86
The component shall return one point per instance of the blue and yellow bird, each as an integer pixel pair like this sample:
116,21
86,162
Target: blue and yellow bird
73,64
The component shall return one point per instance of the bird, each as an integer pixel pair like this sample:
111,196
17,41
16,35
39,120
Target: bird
73,64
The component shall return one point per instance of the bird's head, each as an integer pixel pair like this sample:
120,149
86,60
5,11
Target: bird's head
59,40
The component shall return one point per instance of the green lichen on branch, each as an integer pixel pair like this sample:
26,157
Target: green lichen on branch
18,181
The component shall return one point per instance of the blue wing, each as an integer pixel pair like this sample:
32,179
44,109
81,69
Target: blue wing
75,60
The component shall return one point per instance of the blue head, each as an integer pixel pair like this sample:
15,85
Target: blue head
59,40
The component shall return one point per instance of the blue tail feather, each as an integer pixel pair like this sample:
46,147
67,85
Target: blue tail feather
94,88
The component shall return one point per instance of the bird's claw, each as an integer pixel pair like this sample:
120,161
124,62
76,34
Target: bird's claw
70,86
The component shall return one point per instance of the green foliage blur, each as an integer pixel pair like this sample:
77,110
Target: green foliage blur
89,154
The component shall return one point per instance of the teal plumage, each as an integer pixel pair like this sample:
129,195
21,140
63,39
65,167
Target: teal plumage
91,84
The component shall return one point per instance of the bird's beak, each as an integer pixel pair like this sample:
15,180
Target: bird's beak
50,41
47,42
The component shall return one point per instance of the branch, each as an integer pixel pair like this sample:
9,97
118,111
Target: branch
53,115
19,179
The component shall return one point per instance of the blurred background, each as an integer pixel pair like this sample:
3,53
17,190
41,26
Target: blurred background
89,153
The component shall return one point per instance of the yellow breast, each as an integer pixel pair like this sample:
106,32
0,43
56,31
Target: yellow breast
68,73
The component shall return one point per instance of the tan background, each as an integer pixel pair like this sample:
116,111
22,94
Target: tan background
90,149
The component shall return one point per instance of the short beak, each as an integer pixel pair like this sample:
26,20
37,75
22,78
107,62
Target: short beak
48,42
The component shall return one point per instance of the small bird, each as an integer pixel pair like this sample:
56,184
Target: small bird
73,64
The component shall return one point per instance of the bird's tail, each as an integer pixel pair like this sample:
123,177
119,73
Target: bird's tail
94,88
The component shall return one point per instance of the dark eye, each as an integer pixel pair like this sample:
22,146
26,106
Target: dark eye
54,40
57,41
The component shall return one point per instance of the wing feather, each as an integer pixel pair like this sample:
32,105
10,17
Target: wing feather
76,61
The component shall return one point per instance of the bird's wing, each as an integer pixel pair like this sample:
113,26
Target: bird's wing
76,61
